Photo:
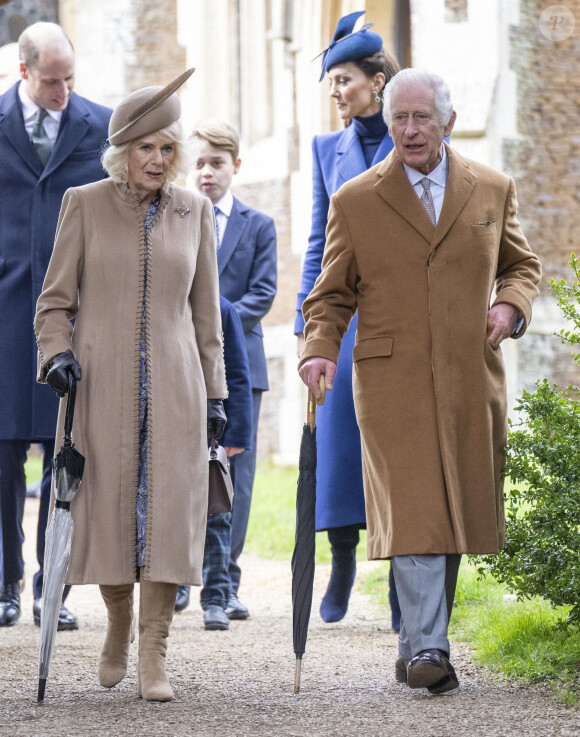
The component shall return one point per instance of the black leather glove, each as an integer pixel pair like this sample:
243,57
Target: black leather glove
216,419
60,367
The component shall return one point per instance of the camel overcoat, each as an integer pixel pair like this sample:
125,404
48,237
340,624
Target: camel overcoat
429,388
95,276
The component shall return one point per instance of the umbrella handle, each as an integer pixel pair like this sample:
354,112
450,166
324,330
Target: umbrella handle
312,402
70,407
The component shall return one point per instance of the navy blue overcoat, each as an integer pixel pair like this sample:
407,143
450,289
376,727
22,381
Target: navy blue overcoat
337,157
30,199
247,274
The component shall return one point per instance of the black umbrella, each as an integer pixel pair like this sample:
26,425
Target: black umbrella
67,469
304,542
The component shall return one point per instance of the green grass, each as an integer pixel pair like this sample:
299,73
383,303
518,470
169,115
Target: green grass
520,640
273,517
33,468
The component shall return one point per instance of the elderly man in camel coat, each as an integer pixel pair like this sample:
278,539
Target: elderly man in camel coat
418,244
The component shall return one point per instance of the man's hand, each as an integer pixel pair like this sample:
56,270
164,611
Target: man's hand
230,451
501,322
310,374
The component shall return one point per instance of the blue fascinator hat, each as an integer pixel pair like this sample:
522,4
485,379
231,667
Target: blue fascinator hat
349,46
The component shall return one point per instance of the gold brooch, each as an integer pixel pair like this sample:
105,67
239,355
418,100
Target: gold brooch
182,209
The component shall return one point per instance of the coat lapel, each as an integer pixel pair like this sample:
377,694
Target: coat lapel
460,183
385,147
394,187
74,125
233,233
350,160
12,125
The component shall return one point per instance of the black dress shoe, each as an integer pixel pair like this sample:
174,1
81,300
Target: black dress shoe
432,670
66,619
182,598
215,618
235,609
10,610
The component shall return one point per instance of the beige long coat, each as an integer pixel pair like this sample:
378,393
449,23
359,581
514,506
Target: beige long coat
96,276
429,389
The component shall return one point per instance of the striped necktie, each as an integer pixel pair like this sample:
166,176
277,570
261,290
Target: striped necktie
427,200
40,139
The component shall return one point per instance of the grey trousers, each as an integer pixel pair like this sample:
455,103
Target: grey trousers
426,588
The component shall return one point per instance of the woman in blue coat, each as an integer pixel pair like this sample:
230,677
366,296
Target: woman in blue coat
358,68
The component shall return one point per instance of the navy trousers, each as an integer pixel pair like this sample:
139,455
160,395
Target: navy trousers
216,558
243,470
12,498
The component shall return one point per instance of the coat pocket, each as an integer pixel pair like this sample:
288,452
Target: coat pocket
373,348
483,229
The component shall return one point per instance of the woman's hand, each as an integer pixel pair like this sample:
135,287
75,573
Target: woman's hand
216,419
61,366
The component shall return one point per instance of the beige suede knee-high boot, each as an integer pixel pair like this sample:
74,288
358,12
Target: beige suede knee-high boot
120,634
156,606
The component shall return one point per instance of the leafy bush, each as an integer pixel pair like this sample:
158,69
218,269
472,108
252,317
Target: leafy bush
542,551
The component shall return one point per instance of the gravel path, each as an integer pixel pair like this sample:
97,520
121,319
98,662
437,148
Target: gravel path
240,683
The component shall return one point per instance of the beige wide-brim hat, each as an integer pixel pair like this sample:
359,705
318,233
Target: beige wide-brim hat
146,110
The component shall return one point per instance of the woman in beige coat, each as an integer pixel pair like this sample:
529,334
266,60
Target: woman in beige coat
134,264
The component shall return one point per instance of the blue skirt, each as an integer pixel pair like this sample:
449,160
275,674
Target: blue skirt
339,481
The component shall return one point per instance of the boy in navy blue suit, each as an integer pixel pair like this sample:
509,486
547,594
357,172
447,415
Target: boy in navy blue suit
246,241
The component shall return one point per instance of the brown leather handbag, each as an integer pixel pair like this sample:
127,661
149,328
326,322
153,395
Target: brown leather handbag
221,488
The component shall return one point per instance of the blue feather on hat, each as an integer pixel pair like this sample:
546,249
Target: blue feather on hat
347,45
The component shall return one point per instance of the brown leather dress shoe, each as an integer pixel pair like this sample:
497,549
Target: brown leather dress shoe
432,670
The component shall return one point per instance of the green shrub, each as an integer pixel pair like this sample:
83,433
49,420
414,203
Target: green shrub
542,551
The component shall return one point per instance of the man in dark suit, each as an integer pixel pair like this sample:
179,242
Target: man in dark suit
247,273
50,139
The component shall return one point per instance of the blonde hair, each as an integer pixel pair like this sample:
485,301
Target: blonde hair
115,159
218,134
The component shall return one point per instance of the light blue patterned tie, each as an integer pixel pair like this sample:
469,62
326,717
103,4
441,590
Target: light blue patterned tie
40,139
217,227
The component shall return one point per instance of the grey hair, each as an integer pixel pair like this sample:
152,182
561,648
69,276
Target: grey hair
115,159
418,76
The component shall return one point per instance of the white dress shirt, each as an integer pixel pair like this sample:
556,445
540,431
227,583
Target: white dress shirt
29,110
225,210
437,182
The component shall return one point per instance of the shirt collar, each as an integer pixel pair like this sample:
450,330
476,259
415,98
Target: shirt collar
437,176
30,108
226,203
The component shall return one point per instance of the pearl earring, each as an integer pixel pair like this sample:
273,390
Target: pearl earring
378,98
